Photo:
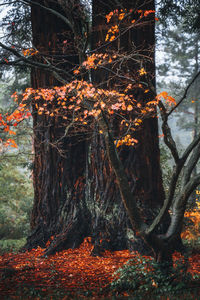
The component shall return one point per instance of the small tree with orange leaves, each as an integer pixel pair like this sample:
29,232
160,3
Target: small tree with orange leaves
79,105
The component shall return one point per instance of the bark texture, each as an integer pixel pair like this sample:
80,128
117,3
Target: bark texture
68,204
141,163
76,194
59,164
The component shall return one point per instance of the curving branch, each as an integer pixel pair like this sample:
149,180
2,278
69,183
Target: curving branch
70,21
179,207
56,13
191,147
168,201
184,95
191,164
187,191
125,191
180,161
7,3
168,139
32,63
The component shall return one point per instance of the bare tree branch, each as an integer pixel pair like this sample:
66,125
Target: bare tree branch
191,164
179,206
184,95
56,13
190,148
168,139
168,201
32,63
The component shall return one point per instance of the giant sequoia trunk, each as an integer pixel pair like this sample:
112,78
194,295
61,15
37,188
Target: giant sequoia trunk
67,205
59,164
141,163
76,194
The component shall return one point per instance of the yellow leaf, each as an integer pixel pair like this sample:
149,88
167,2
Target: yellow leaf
142,72
112,38
129,107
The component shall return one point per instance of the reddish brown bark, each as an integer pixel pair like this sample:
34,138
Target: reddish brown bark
142,163
66,195
59,163
76,194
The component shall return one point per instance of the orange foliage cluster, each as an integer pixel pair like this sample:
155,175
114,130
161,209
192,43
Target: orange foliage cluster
145,13
73,96
169,99
95,60
10,143
29,52
80,100
122,13
192,232
142,72
126,140
112,33
118,16
13,120
6,128
70,270
69,101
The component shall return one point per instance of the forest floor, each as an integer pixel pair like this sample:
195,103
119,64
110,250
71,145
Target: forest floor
70,274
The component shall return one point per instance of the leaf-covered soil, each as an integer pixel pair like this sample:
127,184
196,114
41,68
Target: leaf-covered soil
70,274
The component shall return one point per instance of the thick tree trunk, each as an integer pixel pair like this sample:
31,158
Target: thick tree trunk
68,203
59,165
141,163
76,194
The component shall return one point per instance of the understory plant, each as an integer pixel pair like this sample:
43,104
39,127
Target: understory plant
143,277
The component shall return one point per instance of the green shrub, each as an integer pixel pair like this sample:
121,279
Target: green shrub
143,277
16,194
11,245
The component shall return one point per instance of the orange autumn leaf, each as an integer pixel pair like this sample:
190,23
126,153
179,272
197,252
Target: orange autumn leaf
29,52
112,38
147,12
129,107
121,16
109,16
11,143
142,72
76,72
12,132
169,100
7,128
